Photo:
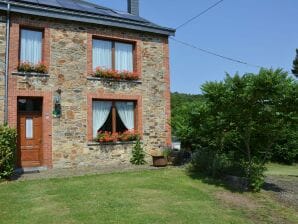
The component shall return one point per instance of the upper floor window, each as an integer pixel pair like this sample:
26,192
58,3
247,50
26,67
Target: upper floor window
31,46
112,55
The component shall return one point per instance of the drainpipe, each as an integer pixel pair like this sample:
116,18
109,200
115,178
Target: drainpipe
6,63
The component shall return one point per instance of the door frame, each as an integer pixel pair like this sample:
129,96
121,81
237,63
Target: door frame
28,114
46,118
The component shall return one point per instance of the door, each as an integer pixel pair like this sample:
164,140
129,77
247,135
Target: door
29,135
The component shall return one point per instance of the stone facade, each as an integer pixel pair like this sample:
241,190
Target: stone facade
67,49
2,64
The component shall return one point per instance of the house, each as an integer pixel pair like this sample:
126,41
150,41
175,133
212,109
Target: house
71,69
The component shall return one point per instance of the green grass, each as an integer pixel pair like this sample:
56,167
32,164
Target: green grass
159,196
279,169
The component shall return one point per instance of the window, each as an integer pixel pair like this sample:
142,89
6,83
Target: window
29,128
112,55
113,116
31,46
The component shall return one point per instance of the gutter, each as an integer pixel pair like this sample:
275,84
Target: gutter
6,63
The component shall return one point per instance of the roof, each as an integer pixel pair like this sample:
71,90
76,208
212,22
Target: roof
83,11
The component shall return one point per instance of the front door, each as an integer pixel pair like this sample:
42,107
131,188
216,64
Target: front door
29,132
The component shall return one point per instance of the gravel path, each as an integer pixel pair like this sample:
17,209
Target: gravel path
284,188
70,172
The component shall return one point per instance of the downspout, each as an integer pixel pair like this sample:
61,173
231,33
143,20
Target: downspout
7,63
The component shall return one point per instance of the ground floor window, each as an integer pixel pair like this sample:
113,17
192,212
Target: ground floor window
113,116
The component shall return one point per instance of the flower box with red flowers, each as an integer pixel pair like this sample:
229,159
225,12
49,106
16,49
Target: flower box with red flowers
32,68
114,74
106,136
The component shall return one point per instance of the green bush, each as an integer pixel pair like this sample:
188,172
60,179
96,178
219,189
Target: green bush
138,154
7,151
255,175
286,149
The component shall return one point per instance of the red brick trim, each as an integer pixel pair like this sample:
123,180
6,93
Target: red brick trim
167,94
17,23
46,118
100,95
137,50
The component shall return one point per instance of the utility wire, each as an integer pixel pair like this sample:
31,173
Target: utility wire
200,14
215,54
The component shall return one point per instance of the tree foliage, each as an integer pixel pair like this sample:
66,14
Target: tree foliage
7,151
240,121
295,64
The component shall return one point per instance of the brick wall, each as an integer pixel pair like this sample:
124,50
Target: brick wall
68,55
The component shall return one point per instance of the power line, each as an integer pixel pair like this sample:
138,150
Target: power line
216,54
200,14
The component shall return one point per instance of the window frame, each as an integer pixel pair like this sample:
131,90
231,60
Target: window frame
36,29
114,113
114,41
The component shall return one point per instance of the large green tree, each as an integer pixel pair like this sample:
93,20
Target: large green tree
242,118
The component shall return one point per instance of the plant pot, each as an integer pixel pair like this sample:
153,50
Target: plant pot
159,161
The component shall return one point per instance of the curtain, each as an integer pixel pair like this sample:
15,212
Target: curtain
124,57
102,54
31,46
101,111
126,113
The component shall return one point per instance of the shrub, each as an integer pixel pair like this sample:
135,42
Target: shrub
138,154
7,151
255,175
286,149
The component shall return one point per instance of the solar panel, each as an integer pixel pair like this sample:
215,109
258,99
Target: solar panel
30,1
49,3
85,6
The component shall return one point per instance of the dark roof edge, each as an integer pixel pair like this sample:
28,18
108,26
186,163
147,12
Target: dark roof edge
84,17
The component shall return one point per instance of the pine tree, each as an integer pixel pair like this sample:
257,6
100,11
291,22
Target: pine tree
295,65
138,154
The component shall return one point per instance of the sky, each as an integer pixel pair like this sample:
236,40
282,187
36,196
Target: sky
259,32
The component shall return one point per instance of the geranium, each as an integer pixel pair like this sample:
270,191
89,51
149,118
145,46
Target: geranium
106,136
29,67
115,74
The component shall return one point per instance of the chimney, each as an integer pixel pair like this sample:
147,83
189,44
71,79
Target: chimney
133,7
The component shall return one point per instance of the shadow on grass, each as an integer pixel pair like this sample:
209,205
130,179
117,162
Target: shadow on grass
272,187
219,182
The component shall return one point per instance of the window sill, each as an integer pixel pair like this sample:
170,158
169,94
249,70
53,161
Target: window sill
113,80
110,143
30,74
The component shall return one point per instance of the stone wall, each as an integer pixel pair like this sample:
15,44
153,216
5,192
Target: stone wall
2,65
69,59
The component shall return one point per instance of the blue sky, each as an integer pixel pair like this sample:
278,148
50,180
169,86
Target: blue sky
261,32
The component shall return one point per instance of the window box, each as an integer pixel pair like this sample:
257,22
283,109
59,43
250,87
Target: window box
31,74
39,68
91,78
115,75
95,143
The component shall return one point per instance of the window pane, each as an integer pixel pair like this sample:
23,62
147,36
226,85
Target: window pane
31,46
126,113
102,54
124,57
101,111
29,128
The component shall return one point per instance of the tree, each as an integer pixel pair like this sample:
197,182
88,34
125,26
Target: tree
295,65
241,120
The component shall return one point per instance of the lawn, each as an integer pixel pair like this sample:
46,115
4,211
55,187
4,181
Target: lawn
155,196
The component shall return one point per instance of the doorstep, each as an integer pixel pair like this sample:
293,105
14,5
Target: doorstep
31,169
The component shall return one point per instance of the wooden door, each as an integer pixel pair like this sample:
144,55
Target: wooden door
30,139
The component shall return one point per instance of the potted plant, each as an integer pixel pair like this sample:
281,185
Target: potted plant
159,157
